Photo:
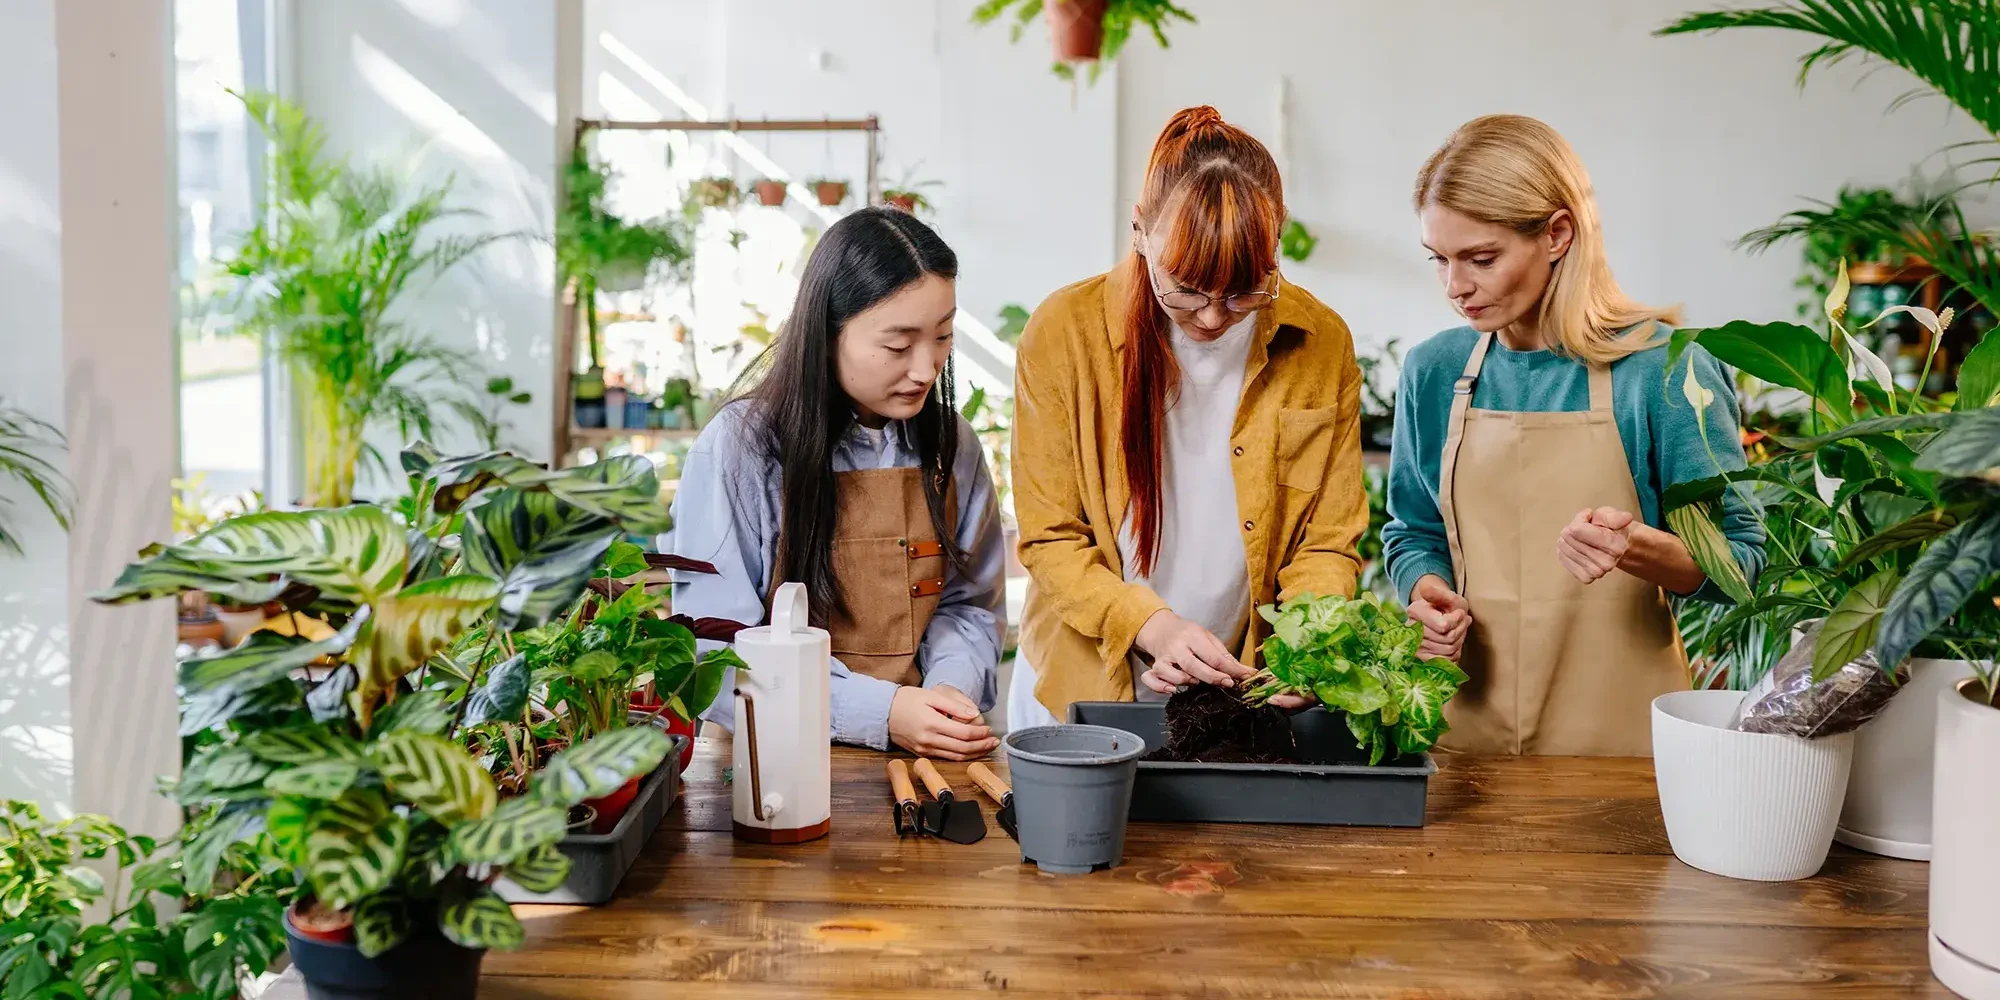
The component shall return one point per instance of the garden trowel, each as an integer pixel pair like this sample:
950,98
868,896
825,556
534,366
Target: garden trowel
999,792
907,822
950,817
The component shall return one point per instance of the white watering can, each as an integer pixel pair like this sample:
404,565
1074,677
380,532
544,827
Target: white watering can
783,762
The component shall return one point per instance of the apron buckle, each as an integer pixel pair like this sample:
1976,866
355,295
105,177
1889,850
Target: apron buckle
1463,387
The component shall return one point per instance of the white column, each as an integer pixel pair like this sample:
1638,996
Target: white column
115,95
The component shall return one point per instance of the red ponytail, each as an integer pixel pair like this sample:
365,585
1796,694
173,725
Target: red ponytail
1213,195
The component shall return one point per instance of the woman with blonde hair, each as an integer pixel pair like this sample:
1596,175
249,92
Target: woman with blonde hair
1186,441
1532,449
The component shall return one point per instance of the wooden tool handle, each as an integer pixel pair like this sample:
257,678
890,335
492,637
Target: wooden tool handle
989,782
899,782
932,779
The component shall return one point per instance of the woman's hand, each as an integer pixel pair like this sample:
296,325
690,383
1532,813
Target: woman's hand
1595,542
1445,615
939,722
1185,653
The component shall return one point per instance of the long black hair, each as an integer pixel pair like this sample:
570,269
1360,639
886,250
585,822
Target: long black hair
800,413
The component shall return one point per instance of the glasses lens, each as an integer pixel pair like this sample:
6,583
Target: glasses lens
1184,300
1248,302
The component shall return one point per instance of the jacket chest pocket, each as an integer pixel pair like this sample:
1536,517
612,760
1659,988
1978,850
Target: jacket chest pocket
1305,446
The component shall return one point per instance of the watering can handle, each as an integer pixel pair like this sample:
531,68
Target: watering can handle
763,807
789,610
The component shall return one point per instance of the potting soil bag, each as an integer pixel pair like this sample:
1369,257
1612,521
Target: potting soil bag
1788,702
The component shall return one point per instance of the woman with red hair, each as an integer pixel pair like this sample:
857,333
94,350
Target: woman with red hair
1186,441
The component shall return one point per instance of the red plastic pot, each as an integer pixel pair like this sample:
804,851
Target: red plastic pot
675,724
1076,28
612,808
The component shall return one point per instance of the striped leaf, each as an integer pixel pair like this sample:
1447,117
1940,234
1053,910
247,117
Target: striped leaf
480,920
409,627
354,553
302,744
326,779
328,698
290,821
598,766
204,712
263,658
1695,524
220,769
415,712
543,869
381,922
354,847
517,827
435,775
1937,585
542,550
624,489
176,569
504,695
1851,625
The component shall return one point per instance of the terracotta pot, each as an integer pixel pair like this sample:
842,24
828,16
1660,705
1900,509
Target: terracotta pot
1965,810
1076,28
320,924
831,193
771,194
611,808
906,202
206,630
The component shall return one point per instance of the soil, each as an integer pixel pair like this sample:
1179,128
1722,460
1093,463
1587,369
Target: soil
1211,725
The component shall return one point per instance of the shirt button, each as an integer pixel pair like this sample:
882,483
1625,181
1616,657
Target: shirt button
1248,526
1239,451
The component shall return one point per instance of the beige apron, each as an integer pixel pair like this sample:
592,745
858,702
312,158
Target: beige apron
1556,667
891,568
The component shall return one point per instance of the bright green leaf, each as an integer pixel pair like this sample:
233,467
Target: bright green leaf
1850,628
436,775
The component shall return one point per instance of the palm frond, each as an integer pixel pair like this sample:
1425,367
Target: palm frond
23,438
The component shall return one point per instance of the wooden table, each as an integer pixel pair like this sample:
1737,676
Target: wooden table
1535,877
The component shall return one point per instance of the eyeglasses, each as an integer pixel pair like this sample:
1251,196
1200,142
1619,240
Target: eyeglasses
1189,300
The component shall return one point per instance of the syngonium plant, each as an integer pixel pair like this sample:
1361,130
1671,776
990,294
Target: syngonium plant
361,777
1898,497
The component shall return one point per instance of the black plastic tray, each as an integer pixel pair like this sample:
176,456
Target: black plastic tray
1335,787
598,862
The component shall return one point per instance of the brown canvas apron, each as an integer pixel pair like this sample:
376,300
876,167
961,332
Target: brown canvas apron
891,568
1556,667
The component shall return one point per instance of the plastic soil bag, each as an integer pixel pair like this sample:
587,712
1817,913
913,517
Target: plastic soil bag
1787,702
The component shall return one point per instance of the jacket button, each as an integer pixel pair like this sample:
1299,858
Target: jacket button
1248,526
1239,450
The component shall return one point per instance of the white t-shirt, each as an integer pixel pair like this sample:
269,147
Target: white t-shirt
1202,572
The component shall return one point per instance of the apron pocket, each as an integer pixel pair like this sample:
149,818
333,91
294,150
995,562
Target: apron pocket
1305,445
875,575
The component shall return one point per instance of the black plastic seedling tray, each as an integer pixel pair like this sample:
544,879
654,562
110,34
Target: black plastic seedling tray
1334,787
598,862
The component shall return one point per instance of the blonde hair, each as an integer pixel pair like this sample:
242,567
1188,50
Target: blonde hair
1516,171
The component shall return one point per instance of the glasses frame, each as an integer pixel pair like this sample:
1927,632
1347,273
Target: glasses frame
1261,299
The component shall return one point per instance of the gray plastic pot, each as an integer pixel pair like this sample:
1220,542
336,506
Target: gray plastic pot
1072,790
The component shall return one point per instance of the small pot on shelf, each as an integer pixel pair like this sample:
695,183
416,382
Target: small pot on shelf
830,193
903,200
1076,28
770,193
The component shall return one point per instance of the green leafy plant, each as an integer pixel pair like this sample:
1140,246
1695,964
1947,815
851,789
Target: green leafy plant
356,769
1013,323
1900,500
1297,242
319,277
23,439
1359,656
214,934
1850,228
592,242
487,415
1121,19
712,192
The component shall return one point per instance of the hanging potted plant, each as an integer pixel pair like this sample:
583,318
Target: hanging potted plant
829,192
908,194
1092,31
713,192
770,193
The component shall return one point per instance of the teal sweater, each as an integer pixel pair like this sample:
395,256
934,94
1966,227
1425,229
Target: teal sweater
1663,444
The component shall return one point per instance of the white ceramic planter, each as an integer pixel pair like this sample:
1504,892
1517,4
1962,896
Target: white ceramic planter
1745,805
1888,808
1965,881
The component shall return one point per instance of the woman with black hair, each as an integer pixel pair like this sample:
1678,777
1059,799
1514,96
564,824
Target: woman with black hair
845,466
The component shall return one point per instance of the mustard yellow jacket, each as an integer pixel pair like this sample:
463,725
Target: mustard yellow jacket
1300,501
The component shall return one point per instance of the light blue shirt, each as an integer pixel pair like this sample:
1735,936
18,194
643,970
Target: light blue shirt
726,512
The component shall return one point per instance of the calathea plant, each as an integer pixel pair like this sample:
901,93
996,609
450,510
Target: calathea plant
359,776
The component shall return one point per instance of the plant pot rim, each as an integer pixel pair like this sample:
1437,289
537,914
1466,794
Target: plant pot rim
343,937
1707,695
1134,749
1964,689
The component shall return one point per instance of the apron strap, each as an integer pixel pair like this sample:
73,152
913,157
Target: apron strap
1600,387
1461,401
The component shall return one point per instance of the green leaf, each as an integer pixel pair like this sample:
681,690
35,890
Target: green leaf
1695,525
221,768
480,920
381,923
518,826
204,712
328,698
354,847
503,696
203,855
290,823
1979,375
1903,534
426,712
1850,628
177,569
1969,447
353,553
413,625
436,775
326,779
597,767
1950,569
263,658
623,559
305,743
543,869
1904,423
542,550
1785,354
596,665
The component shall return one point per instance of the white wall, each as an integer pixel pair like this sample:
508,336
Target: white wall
1691,141
34,633
464,88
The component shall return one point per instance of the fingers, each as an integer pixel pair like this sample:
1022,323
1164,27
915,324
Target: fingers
1290,701
1611,517
1164,678
1432,648
957,705
1429,615
946,748
1200,670
1596,536
1578,563
1217,656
